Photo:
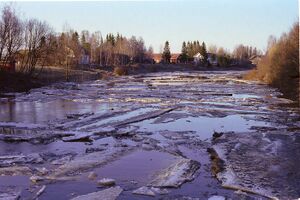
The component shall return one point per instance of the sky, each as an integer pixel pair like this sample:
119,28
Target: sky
225,23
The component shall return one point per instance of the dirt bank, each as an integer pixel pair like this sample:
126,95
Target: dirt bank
19,82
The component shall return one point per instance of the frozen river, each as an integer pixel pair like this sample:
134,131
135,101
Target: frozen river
158,136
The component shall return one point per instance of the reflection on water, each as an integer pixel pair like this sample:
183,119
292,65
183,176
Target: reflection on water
57,147
203,126
142,168
135,169
41,112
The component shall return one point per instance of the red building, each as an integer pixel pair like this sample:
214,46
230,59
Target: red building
174,58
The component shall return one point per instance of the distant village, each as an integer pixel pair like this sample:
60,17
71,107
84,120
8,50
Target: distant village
242,55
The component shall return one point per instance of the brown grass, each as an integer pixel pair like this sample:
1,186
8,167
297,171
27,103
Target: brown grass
120,71
280,66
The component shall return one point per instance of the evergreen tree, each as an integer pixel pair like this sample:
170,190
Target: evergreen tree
198,47
75,37
189,49
166,56
110,38
204,52
184,53
83,39
75,44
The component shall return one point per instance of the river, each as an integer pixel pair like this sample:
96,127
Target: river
150,133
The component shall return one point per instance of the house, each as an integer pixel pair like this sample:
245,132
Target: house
255,59
198,58
175,58
157,57
211,59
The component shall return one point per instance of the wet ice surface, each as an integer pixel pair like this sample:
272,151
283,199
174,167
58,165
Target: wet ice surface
272,155
140,130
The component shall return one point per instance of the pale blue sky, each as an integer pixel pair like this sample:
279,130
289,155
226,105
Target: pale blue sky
221,22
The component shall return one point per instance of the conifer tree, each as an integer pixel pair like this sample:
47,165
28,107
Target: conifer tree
184,55
204,52
166,55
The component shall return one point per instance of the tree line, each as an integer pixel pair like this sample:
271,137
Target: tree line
111,50
223,57
188,50
32,42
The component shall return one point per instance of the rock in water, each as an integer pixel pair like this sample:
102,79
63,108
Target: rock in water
106,182
144,191
181,171
107,194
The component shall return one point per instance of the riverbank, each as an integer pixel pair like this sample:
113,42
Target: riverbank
19,82
289,87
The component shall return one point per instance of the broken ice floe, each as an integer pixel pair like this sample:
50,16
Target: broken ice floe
181,171
107,194
157,113
88,161
9,160
257,162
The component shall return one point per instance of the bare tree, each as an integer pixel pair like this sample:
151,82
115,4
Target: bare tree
36,49
11,30
95,41
221,51
149,52
212,49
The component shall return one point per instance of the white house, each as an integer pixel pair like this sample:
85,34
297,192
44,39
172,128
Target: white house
255,59
211,58
198,58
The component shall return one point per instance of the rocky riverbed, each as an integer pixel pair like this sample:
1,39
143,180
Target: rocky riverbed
197,135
